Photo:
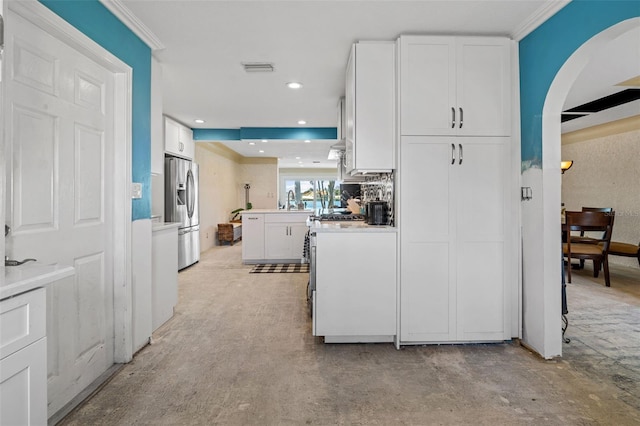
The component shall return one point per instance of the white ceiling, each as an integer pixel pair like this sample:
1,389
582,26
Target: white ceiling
205,43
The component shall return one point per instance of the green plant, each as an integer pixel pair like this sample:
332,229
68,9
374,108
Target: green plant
235,213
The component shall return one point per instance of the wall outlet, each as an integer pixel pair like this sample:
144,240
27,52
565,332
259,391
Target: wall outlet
136,190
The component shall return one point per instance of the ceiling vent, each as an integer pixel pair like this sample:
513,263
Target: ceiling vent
258,66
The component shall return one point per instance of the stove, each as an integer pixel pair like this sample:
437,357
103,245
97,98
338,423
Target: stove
337,217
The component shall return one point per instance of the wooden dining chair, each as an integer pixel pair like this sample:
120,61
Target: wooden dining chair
600,222
586,238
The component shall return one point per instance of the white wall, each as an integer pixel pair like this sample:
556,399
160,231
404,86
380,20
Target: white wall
262,175
223,174
219,179
606,173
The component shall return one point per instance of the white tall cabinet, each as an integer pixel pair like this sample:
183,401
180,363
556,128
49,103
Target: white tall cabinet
453,189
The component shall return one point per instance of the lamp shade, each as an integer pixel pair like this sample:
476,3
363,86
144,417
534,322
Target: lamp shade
565,165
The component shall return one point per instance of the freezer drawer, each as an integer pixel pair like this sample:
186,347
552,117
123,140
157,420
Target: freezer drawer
188,246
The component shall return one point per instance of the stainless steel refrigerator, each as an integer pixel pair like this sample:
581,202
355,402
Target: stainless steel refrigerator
181,205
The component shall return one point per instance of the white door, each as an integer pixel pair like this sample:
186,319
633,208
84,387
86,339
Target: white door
480,238
427,227
60,128
277,241
483,86
427,85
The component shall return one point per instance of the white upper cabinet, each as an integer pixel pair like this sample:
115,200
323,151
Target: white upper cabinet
370,107
178,139
455,86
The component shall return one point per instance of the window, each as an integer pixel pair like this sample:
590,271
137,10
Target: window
312,194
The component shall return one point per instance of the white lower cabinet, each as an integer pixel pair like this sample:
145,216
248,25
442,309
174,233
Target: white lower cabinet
453,227
164,290
284,240
355,297
274,236
23,363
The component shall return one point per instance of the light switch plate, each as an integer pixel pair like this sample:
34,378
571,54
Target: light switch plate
136,190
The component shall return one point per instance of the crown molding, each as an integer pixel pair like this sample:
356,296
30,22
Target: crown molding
132,22
544,12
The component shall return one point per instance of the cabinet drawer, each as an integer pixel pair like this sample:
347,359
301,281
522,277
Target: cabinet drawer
287,217
22,320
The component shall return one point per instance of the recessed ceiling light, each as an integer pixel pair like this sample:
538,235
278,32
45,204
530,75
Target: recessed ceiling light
307,141
261,151
252,143
302,122
297,158
199,121
264,141
294,85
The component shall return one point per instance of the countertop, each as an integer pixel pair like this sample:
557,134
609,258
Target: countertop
165,225
26,277
348,226
271,211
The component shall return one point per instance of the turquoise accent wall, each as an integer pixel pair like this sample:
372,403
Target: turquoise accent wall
545,50
265,133
100,25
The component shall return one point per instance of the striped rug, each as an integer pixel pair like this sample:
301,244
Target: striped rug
268,268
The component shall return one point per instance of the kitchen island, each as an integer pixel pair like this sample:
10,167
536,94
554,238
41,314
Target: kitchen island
273,236
353,292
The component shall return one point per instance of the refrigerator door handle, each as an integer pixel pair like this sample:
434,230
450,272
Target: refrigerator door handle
190,195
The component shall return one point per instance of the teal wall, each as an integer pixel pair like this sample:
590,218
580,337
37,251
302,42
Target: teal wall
100,25
265,133
545,50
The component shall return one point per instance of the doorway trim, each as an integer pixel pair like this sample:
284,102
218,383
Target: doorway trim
551,157
44,18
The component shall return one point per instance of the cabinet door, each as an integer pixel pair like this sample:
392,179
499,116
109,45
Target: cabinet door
480,239
172,137
375,82
277,241
252,237
483,86
186,141
23,386
350,112
427,227
427,85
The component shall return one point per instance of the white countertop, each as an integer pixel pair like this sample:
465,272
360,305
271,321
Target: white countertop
26,277
271,211
161,226
348,226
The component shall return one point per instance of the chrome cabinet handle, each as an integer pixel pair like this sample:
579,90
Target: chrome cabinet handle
453,153
460,146
461,117
453,117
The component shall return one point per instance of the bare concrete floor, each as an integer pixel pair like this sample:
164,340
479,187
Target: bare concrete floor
239,351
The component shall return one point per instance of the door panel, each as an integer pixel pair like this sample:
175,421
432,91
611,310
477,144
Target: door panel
428,86
484,89
61,150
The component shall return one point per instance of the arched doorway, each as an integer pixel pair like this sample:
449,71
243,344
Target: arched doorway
551,157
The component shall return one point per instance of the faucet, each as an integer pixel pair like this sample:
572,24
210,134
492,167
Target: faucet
293,198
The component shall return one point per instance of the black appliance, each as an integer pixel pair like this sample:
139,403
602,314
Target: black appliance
377,212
